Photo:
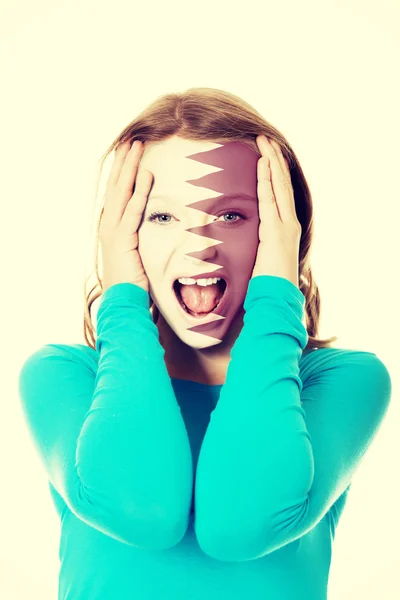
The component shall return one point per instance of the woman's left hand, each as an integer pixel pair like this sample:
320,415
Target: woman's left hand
279,230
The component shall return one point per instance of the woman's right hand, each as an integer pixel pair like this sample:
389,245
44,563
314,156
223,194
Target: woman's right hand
121,218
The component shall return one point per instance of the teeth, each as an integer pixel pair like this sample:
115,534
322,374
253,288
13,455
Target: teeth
203,282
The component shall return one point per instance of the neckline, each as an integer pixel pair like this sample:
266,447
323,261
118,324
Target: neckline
189,381
216,386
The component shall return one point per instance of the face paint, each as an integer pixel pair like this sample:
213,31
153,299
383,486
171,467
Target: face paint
198,183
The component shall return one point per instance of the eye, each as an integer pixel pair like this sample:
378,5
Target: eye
152,218
232,212
159,213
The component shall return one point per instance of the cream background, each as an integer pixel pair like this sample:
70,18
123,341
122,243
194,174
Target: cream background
73,75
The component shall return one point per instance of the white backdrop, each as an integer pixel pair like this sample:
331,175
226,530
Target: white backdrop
73,74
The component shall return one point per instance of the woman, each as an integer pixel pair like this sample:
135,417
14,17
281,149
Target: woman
199,448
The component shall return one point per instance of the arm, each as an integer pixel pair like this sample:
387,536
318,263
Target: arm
277,454
113,442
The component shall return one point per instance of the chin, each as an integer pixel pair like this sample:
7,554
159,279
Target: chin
199,344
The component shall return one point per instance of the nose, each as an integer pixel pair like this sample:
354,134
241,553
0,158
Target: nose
208,254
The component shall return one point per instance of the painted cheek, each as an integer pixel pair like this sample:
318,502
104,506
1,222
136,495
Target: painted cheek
238,250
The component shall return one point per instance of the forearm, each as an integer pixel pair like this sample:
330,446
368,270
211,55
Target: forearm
256,456
133,454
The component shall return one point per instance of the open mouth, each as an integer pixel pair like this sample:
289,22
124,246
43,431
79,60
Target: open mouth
177,287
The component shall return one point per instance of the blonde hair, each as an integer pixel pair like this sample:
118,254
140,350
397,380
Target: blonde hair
218,116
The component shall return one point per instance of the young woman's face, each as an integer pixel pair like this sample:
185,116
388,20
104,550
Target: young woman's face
206,197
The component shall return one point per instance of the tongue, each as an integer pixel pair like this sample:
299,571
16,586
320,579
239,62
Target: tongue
201,299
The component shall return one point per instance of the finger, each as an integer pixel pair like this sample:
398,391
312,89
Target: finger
282,161
119,187
267,206
119,159
130,166
282,183
136,206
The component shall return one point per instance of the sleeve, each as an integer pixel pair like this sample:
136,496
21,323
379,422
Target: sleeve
277,454
113,442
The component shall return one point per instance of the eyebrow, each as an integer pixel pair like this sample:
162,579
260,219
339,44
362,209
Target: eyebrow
233,196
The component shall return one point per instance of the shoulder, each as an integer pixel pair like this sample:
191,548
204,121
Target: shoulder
333,364
55,356
327,357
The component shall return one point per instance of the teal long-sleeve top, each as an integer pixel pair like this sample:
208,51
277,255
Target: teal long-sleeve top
173,489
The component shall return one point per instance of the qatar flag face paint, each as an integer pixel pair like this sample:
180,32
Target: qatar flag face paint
196,183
